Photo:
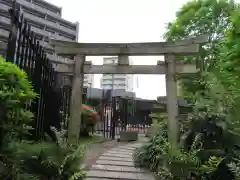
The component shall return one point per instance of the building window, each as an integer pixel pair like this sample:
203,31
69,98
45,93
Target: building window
67,36
45,6
68,26
7,2
51,19
3,39
33,24
50,30
33,13
4,14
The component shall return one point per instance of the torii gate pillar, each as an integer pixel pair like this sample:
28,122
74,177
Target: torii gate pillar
172,99
76,100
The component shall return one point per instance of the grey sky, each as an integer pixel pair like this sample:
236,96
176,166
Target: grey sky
124,21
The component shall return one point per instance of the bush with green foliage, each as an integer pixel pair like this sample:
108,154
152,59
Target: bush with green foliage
202,153
16,93
21,159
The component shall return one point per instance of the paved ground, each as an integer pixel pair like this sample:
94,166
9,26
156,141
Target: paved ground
117,164
94,151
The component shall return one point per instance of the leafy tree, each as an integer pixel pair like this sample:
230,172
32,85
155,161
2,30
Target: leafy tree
196,18
229,66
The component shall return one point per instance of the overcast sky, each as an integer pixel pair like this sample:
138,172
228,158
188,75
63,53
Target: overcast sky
124,21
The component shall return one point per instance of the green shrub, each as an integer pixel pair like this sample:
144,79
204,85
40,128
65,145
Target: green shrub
49,161
150,155
42,161
201,151
21,159
16,92
171,163
202,154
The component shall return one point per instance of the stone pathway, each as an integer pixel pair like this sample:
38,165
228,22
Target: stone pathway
117,164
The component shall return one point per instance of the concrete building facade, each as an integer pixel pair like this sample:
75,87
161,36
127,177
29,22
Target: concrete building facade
116,81
46,22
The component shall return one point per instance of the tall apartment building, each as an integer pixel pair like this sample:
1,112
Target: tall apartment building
88,80
116,81
46,22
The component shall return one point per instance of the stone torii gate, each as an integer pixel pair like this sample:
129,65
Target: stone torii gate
170,68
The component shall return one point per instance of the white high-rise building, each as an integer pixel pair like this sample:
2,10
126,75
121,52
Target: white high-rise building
116,81
88,80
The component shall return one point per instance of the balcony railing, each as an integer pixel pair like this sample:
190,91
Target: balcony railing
49,23
118,76
48,34
4,33
37,8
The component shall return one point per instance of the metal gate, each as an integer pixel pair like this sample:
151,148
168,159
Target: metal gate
120,114
108,114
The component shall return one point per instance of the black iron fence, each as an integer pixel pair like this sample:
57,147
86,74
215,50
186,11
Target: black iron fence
65,105
25,51
121,114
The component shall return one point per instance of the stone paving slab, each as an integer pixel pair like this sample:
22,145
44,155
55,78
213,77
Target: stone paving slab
128,148
115,158
116,168
125,148
118,155
113,175
118,163
120,152
97,178
100,175
134,144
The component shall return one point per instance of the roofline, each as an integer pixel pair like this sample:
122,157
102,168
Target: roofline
53,5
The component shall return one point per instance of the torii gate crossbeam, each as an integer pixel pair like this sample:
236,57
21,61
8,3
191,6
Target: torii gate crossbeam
160,68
